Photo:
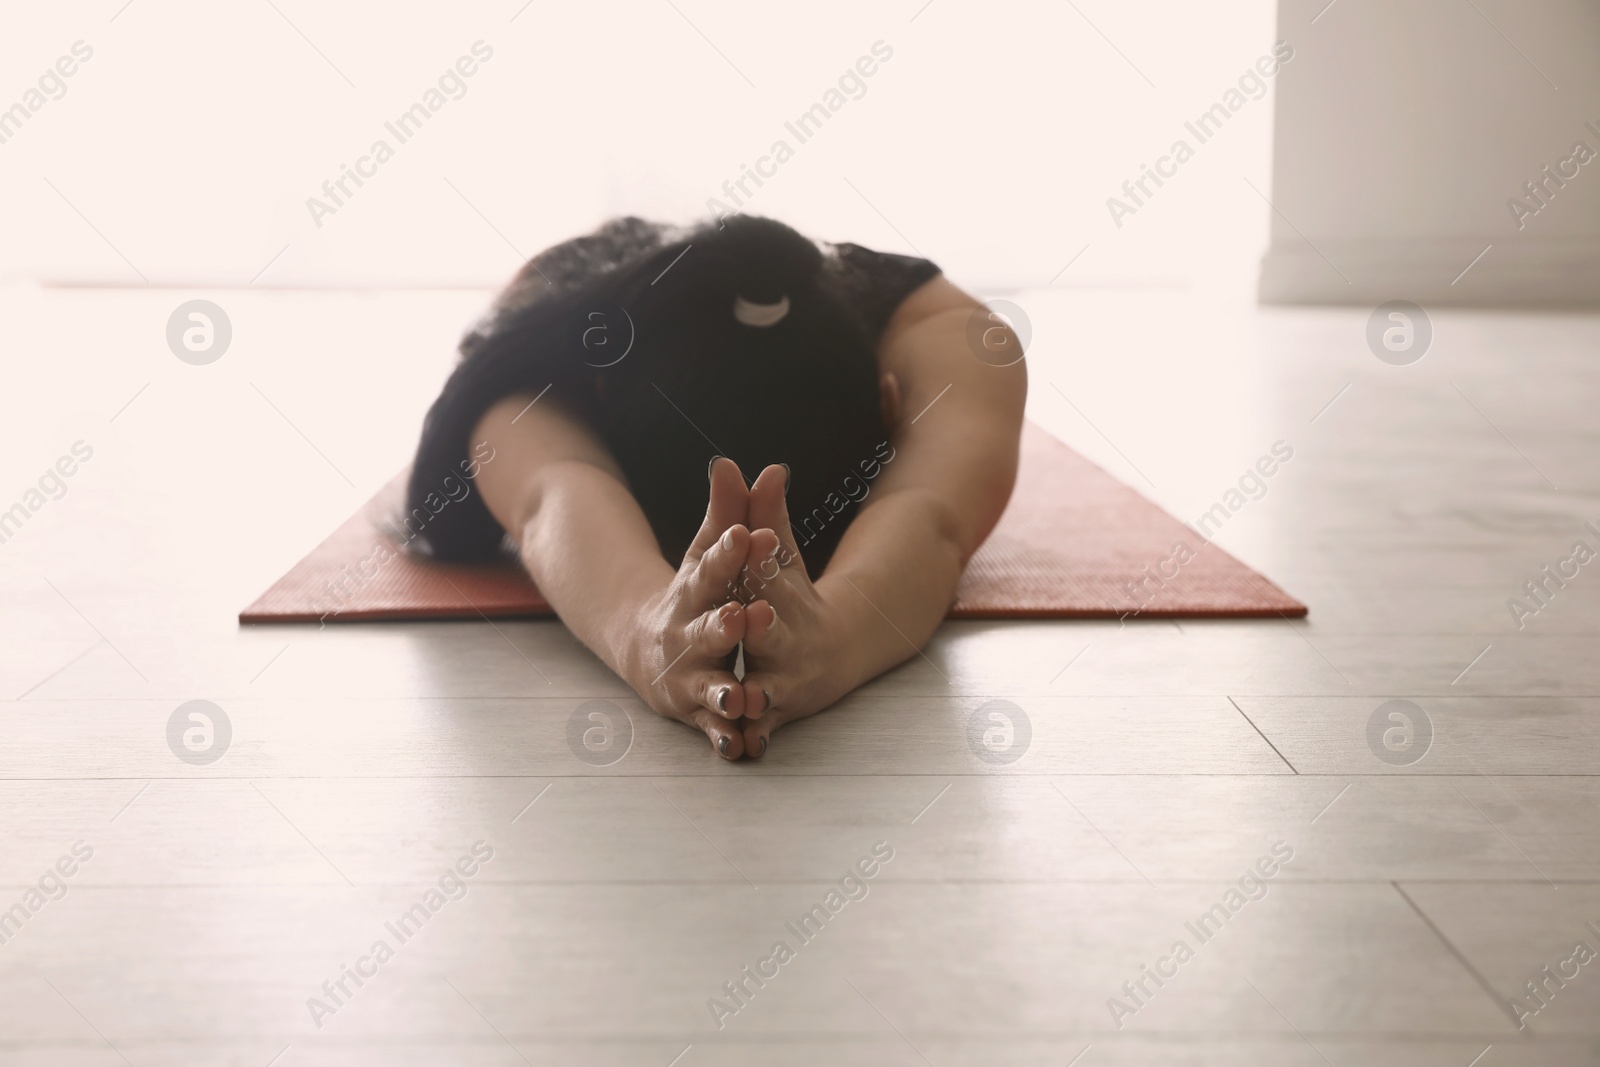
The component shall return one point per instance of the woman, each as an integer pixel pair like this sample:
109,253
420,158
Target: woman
617,367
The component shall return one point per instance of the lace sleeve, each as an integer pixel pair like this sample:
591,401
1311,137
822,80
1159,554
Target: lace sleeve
873,284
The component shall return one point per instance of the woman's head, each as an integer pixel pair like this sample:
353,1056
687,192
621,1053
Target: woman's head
723,342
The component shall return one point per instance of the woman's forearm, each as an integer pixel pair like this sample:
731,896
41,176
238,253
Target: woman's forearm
593,556
578,529
891,581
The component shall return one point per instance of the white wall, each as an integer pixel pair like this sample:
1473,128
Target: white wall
1402,131
184,151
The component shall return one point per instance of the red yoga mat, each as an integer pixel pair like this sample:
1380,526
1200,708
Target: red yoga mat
1074,543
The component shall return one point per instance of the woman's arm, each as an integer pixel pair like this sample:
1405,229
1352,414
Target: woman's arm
895,572
592,553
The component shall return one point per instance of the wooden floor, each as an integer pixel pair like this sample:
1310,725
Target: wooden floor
1414,890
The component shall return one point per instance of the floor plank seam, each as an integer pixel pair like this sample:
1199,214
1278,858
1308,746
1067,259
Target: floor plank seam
1477,975
1263,736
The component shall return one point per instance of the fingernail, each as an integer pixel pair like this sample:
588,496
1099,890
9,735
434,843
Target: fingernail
763,751
711,467
722,701
788,476
727,539
766,698
722,745
774,621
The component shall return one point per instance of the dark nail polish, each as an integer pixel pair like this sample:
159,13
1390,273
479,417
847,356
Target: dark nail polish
763,751
722,700
712,466
766,698
722,745
788,476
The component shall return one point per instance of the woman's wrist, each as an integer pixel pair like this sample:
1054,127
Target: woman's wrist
851,652
631,634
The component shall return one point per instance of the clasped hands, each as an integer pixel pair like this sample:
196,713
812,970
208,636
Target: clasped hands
741,581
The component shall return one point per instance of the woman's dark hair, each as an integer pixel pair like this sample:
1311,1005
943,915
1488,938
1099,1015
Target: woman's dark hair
695,381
